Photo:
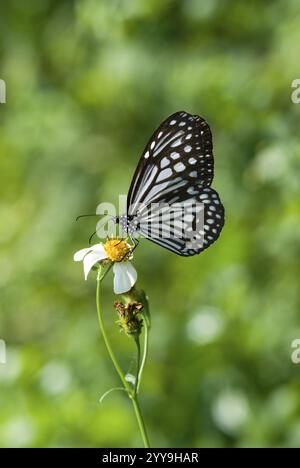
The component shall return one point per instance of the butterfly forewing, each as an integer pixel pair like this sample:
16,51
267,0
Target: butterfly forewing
178,153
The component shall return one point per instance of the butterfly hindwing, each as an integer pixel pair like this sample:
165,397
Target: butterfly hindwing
187,225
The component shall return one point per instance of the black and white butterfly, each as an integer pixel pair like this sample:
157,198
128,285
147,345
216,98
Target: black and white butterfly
170,201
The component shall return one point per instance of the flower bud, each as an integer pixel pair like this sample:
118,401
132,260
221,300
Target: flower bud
138,295
130,320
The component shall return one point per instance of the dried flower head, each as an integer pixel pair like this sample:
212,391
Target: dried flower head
130,320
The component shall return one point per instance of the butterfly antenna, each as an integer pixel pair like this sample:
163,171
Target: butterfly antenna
85,215
91,237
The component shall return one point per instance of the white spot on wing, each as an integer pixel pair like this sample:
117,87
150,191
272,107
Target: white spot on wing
165,141
164,162
192,191
175,155
187,148
164,174
176,143
179,167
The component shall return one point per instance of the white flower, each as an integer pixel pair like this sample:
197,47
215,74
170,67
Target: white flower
117,251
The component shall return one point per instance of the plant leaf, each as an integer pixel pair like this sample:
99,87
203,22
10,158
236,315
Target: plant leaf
110,391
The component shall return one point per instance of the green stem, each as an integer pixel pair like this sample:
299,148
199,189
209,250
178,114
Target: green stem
131,394
145,354
105,273
105,337
138,353
140,420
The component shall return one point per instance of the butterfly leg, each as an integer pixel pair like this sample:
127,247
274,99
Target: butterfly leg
136,243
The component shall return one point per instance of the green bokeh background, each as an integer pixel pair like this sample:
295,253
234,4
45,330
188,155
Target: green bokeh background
87,83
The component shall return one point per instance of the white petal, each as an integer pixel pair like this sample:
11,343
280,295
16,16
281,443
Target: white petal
78,256
125,277
99,248
89,261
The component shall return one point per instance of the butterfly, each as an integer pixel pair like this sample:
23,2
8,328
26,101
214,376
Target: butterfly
170,200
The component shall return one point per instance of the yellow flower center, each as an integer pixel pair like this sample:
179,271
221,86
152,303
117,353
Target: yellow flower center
117,250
